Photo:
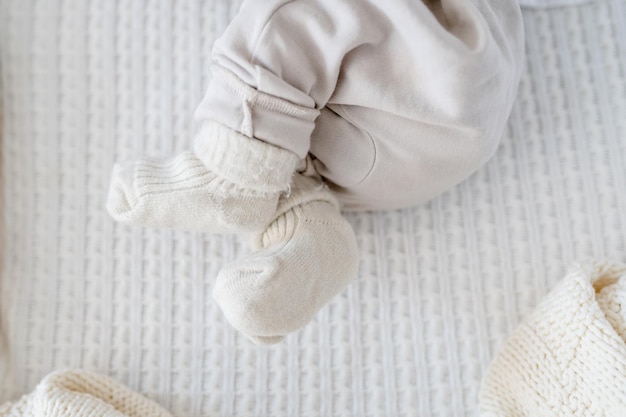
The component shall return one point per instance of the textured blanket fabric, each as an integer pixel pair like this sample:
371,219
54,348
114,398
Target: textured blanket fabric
567,359
440,288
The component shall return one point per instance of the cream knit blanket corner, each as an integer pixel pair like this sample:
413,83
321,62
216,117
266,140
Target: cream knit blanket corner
569,357
81,394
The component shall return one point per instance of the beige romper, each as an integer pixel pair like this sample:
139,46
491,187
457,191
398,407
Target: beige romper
400,99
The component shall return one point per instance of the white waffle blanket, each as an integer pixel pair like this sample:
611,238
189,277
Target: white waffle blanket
441,286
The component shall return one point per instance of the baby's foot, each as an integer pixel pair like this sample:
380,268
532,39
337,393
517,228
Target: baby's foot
229,183
307,256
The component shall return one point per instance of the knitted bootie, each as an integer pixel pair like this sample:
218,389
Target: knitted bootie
81,394
230,183
306,256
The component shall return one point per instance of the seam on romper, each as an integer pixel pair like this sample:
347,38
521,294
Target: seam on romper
265,100
349,119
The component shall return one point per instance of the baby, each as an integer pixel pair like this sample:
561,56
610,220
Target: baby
318,106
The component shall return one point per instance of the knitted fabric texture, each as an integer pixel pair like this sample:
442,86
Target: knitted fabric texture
569,357
305,257
229,183
81,394
246,162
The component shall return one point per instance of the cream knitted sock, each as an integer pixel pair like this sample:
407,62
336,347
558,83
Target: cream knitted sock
569,357
305,257
229,183
81,394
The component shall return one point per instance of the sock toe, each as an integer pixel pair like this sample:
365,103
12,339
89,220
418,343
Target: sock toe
243,290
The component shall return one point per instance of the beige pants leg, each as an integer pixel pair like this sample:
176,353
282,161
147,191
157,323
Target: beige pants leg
413,96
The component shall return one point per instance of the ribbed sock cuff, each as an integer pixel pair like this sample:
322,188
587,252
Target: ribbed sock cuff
247,162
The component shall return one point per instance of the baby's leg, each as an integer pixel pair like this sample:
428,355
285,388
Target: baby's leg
230,181
399,87
423,109
276,64
420,99
415,95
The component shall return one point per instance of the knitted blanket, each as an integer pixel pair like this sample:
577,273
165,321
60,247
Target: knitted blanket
441,286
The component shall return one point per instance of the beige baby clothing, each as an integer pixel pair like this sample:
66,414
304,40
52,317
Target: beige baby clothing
412,96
